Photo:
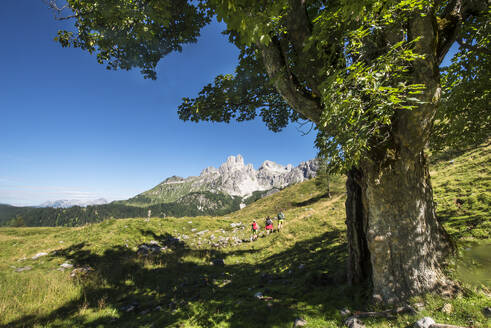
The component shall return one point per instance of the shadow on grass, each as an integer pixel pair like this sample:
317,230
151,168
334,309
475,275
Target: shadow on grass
311,201
459,223
182,284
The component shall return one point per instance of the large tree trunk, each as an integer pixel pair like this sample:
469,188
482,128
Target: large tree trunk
395,239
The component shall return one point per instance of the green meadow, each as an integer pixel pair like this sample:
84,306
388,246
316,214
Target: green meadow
207,273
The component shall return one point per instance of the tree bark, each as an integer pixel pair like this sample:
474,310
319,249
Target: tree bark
392,224
391,216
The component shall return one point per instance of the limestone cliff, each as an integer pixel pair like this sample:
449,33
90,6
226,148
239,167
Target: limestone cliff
234,178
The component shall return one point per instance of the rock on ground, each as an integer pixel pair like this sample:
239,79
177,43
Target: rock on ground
38,255
26,268
425,322
299,322
353,322
447,308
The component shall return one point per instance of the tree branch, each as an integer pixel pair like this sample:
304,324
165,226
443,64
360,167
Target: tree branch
284,82
472,47
52,4
448,27
299,31
456,12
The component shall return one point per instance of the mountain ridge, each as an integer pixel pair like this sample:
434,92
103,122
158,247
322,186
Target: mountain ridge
232,178
66,203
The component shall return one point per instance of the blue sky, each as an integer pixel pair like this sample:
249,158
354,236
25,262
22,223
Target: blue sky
70,129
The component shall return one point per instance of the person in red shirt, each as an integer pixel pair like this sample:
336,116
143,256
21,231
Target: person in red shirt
255,228
269,225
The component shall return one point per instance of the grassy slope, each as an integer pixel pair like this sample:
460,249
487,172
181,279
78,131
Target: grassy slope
300,270
164,193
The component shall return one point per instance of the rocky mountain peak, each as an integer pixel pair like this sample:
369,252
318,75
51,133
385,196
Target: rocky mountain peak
234,178
210,170
233,163
174,179
274,167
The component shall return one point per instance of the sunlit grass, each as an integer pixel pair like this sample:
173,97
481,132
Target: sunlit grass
300,272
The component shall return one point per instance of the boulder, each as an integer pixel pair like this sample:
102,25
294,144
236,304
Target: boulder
353,322
425,322
38,255
81,271
218,262
299,322
26,268
345,312
447,308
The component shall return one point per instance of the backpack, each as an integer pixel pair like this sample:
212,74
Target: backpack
281,216
269,222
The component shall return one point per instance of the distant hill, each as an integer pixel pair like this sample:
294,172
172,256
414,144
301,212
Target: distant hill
8,212
193,204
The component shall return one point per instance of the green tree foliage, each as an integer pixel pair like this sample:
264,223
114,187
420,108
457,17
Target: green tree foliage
464,118
342,64
18,221
127,33
323,178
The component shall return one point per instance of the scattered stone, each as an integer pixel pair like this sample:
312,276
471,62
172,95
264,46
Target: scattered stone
376,298
419,306
22,259
193,230
82,271
147,249
258,295
425,322
66,265
487,311
38,255
447,308
190,222
301,266
218,262
202,232
353,322
129,307
158,308
345,312
26,268
299,322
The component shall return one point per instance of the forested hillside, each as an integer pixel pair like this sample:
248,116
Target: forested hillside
193,204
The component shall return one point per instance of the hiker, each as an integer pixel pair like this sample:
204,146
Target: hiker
281,218
255,228
269,225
